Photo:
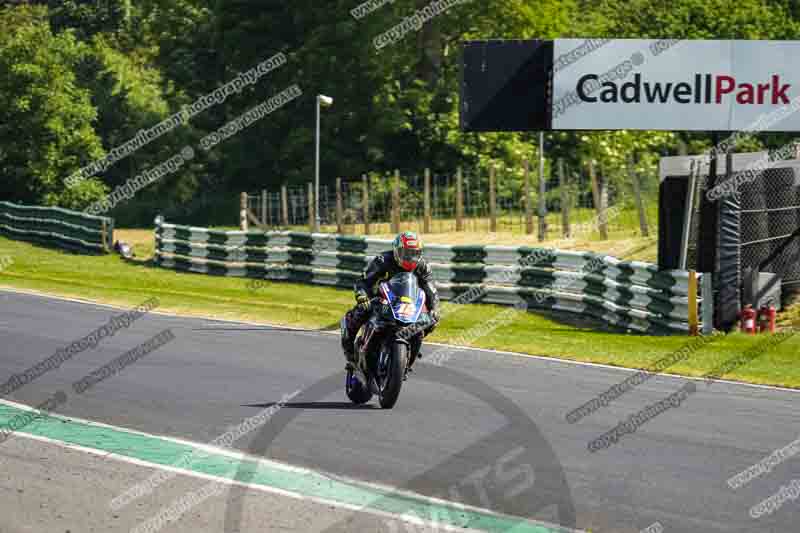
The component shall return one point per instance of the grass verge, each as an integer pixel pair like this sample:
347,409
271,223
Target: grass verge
109,279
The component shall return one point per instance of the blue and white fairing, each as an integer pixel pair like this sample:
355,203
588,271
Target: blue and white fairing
404,297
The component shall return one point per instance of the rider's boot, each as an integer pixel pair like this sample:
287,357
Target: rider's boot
415,344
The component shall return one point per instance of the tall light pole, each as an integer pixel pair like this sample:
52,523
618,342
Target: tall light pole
325,101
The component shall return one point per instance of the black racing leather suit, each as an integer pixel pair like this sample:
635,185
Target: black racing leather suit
382,268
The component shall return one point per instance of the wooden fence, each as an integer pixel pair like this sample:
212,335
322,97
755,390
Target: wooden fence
455,203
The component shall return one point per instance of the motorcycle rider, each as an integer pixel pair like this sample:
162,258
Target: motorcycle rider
405,256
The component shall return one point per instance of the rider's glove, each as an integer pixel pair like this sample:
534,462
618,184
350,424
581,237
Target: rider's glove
363,300
435,317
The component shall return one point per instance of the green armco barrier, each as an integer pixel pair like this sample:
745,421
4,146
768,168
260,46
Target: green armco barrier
301,240
627,294
57,227
300,257
354,245
352,262
458,273
538,256
536,277
469,254
300,275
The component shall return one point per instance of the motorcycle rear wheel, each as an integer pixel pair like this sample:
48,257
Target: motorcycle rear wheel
356,391
394,375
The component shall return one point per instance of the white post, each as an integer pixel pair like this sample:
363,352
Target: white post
687,219
316,176
707,306
326,101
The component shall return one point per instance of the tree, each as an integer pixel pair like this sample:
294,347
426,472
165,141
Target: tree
45,116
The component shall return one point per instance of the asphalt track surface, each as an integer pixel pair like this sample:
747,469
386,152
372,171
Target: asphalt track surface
46,488
672,470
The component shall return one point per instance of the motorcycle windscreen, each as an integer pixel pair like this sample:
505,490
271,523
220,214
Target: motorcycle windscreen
405,297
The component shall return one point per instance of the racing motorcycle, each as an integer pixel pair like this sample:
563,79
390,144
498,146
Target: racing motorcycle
383,344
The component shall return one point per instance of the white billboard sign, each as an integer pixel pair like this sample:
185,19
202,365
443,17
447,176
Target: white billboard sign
645,84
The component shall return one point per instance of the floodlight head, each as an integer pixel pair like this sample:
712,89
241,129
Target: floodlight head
324,101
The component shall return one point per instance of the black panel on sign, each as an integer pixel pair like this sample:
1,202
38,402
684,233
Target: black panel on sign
505,84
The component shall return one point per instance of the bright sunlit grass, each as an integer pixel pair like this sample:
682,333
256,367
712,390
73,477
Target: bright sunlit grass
110,279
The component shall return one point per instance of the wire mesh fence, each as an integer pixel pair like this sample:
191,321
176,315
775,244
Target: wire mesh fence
770,219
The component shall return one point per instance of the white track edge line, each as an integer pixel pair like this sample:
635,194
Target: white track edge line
266,488
258,460
232,482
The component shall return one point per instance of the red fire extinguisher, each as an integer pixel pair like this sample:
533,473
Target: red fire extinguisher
762,320
748,320
766,319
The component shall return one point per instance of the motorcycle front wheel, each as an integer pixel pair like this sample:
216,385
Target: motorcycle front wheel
394,375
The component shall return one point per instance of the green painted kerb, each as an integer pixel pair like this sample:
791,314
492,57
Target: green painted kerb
159,451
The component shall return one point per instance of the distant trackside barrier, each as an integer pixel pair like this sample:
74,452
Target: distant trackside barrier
57,227
628,294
